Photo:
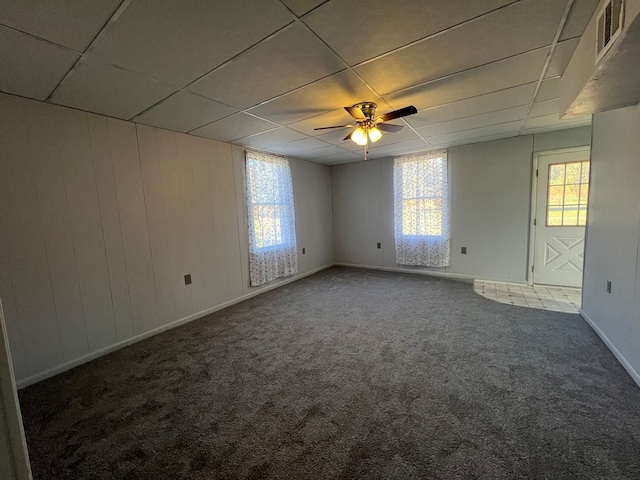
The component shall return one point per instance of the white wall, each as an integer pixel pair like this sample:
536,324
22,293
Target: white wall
490,188
100,219
613,235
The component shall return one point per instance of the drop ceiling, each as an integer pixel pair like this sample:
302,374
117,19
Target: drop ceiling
265,73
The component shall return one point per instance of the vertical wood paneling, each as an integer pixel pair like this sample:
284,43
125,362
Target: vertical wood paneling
189,214
133,220
170,178
86,226
110,214
312,201
100,220
209,243
14,333
158,237
230,217
25,242
222,272
45,159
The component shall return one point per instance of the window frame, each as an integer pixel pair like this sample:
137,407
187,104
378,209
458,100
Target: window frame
281,205
417,198
579,206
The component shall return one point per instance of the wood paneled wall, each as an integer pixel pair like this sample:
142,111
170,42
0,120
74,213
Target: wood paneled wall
100,219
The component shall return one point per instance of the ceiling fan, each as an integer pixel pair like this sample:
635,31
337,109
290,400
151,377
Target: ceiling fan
367,126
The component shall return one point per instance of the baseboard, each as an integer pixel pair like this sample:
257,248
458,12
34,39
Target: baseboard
617,353
433,273
25,382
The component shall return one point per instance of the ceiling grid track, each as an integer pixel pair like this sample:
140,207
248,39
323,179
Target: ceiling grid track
218,67
113,18
547,61
475,71
351,69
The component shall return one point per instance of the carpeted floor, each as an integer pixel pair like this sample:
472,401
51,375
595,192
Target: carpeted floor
348,374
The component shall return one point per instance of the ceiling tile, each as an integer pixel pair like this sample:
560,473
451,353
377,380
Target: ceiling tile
70,23
329,119
561,56
231,128
340,158
178,42
476,121
579,16
553,122
183,112
399,149
503,128
546,107
270,138
380,27
548,89
487,138
31,67
109,90
300,7
325,95
292,58
299,146
337,137
496,76
542,121
405,135
512,30
510,97
319,152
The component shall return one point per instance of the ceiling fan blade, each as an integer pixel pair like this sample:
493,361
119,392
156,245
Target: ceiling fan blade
403,112
389,127
356,113
348,137
336,126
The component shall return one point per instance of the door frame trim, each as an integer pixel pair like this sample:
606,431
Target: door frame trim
534,200
10,410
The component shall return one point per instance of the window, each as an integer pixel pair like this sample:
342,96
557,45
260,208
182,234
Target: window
421,207
271,218
568,194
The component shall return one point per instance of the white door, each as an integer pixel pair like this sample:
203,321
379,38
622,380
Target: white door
560,218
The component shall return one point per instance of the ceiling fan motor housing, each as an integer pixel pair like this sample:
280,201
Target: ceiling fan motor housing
368,109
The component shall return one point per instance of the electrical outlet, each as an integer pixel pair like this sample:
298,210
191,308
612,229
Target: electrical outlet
187,279
608,286
303,250
379,245
463,250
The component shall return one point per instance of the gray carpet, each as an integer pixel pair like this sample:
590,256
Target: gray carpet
348,374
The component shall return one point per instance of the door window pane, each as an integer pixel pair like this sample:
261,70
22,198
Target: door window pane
582,219
554,216
573,173
556,174
572,195
570,216
556,195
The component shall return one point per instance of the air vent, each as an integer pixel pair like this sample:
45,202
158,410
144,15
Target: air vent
609,26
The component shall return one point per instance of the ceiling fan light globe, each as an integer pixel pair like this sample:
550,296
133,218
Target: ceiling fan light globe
374,134
359,136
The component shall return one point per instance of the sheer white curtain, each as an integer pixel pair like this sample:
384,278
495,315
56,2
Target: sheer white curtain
421,204
272,229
